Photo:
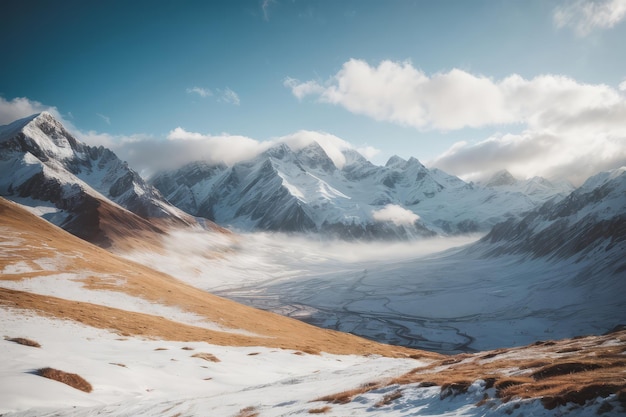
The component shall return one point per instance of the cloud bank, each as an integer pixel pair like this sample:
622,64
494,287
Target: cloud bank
396,214
569,129
584,16
400,93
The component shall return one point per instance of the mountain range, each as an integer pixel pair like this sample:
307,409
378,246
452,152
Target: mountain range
303,190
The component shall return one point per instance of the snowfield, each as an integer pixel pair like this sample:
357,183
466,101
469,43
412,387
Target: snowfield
137,377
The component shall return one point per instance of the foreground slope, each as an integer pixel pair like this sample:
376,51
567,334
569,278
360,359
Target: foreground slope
147,344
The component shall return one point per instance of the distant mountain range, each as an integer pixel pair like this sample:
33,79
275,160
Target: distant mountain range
302,190
94,195
86,190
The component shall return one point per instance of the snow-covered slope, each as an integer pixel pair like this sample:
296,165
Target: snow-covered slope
302,190
590,223
43,166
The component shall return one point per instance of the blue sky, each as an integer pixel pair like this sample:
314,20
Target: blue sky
127,72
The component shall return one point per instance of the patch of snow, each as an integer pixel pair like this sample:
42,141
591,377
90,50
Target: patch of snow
69,286
132,376
19,267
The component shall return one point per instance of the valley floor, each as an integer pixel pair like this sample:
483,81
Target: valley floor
430,294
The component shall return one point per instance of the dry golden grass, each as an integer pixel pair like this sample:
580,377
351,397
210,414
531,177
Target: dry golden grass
104,270
23,341
73,380
320,410
121,365
345,397
569,371
248,412
389,398
206,356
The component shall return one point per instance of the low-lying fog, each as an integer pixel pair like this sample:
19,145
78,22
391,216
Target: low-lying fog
425,294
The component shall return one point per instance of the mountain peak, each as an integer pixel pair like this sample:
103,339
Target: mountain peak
501,178
278,151
395,161
9,131
414,161
314,156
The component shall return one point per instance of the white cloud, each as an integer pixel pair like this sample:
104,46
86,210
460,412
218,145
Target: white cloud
225,148
229,96
21,107
202,92
569,129
399,93
622,86
113,142
574,157
368,152
106,119
265,5
396,214
301,90
584,15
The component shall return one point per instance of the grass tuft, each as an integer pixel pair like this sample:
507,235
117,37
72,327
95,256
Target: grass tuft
388,398
344,397
206,356
564,368
248,412
320,410
73,380
23,341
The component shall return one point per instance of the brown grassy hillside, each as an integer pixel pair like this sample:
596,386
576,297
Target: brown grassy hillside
26,238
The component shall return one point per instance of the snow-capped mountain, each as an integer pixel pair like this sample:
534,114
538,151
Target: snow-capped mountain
72,184
589,223
538,189
303,190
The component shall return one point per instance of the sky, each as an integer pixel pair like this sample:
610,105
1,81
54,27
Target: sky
535,87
